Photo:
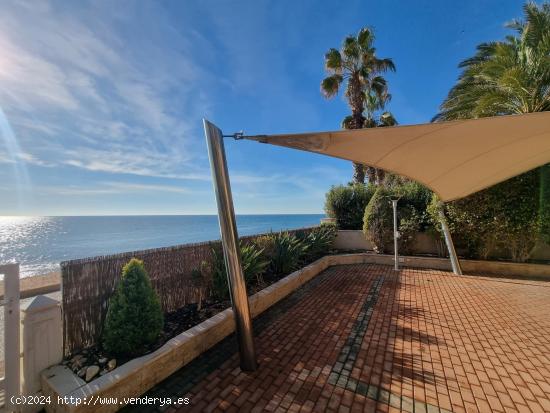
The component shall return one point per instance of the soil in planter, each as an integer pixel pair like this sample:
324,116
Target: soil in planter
185,318
94,361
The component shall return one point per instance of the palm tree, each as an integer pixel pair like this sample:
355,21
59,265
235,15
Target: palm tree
506,77
509,77
357,66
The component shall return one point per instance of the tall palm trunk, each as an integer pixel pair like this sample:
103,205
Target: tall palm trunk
358,169
380,176
358,173
355,95
371,174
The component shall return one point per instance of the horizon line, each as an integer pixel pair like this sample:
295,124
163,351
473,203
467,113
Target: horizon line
156,215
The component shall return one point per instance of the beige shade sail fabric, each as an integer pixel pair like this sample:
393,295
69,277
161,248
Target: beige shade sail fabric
454,159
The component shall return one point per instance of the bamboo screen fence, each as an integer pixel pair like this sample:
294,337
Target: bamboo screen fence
87,285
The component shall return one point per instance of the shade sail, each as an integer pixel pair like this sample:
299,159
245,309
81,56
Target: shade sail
454,159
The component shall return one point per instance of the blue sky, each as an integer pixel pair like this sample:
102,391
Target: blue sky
101,102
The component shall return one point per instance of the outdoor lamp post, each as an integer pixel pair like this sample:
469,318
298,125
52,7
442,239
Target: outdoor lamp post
395,234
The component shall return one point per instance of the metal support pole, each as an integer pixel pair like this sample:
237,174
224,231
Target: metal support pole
230,242
449,241
12,350
395,235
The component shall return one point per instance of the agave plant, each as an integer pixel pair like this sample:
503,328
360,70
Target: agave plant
253,263
286,253
318,242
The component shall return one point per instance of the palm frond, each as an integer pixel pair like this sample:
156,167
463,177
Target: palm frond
508,76
365,38
379,86
387,119
333,60
347,122
330,85
350,48
383,65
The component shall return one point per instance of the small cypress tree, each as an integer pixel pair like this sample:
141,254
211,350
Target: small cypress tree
134,317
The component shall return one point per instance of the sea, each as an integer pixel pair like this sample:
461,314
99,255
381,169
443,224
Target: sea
39,244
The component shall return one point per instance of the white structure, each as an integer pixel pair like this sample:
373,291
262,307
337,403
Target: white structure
42,343
33,341
11,381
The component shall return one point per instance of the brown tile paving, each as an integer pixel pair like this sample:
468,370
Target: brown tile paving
369,339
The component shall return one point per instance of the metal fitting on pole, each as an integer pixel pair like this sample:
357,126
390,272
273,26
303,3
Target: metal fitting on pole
230,243
449,241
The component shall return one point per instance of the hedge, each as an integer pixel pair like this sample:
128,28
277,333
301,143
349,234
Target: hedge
347,203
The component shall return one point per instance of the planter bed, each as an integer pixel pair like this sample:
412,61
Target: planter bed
140,374
175,323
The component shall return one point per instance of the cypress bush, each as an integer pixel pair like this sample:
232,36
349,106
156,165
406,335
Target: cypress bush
378,217
347,203
134,317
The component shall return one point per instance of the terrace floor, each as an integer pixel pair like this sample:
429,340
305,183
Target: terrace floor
366,338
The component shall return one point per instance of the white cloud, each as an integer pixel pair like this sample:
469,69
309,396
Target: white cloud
112,188
33,160
78,89
114,89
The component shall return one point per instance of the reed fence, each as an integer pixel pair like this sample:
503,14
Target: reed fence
87,285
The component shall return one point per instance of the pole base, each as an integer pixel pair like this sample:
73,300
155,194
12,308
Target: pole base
249,366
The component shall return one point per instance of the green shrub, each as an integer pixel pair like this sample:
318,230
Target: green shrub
411,215
502,220
253,263
544,204
467,226
347,203
134,317
283,250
